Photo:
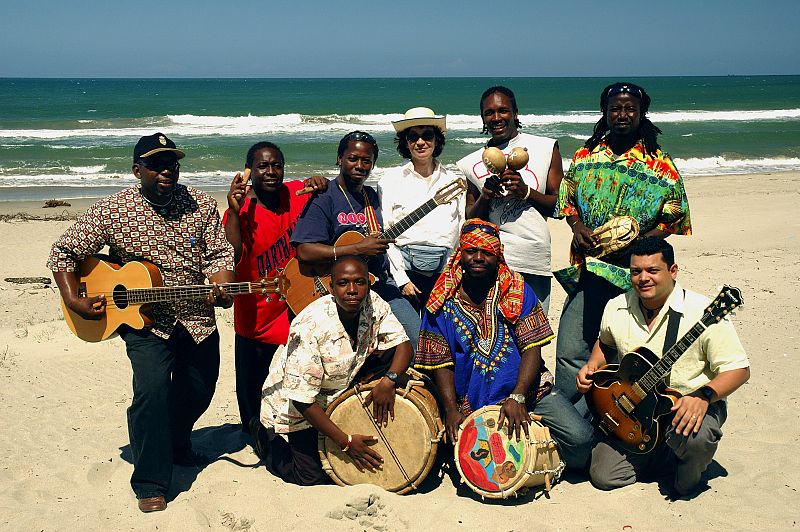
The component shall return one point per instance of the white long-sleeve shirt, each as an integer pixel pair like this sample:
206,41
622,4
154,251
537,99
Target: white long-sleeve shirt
402,190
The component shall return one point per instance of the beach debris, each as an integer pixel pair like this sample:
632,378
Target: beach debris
28,280
51,203
26,217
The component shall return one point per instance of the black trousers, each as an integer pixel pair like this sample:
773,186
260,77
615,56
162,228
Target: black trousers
297,460
173,383
252,360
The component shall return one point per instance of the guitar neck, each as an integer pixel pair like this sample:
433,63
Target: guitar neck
661,369
163,294
407,221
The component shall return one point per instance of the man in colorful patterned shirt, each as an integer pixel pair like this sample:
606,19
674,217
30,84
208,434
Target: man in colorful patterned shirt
621,171
332,342
176,361
481,336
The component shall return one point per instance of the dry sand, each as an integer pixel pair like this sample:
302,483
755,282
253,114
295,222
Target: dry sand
64,442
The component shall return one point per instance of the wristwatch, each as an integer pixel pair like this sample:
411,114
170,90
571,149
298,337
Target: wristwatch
392,376
707,393
518,397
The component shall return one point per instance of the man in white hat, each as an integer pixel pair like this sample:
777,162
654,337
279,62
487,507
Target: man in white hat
521,205
419,254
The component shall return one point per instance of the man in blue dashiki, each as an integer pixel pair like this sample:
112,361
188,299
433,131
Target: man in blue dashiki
481,337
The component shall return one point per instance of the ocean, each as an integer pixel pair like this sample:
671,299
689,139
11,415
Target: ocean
69,138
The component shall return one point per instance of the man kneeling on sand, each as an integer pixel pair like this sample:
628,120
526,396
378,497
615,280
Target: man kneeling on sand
712,368
331,343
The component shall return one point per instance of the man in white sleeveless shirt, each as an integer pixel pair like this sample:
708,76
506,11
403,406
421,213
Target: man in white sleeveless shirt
525,198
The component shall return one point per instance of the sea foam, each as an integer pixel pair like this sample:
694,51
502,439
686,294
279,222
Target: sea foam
294,123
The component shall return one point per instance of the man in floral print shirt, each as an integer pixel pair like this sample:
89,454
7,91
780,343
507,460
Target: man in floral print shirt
176,361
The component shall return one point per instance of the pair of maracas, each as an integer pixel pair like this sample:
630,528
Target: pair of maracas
496,161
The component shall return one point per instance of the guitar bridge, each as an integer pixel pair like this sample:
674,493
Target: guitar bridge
608,424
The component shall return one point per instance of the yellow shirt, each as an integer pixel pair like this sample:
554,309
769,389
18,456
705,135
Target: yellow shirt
718,348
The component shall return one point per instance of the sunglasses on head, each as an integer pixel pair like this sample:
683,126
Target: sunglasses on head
427,135
360,135
625,89
479,227
160,166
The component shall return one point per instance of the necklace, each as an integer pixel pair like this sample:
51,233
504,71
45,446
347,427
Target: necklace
153,203
355,214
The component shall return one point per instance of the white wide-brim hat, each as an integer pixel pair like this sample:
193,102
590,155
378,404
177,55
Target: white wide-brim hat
420,116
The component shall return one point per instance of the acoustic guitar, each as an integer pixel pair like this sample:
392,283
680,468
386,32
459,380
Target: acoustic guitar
305,282
629,398
131,288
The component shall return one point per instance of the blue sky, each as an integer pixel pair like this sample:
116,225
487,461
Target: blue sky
310,38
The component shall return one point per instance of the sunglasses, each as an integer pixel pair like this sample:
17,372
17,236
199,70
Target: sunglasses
427,135
479,227
158,167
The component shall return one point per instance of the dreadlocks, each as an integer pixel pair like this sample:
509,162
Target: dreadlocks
647,131
502,90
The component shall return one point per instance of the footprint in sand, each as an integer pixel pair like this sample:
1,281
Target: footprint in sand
231,522
101,472
368,511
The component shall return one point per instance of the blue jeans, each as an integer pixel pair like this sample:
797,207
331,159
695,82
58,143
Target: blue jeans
401,308
541,287
578,331
572,432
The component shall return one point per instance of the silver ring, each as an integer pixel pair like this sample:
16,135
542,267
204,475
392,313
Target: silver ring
694,417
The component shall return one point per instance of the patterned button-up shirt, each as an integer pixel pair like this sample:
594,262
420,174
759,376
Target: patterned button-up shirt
319,362
184,239
600,185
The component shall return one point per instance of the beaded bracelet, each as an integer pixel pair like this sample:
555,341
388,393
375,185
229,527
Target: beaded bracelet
349,441
334,252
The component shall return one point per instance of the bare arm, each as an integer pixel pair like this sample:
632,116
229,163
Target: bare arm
356,444
477,204
691,409
90,308
218,297
544,203
236,195
315,252
517,413
596,360
382,396
445,384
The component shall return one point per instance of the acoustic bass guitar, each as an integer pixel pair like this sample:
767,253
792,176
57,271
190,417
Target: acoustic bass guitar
629,398
305,282
130,289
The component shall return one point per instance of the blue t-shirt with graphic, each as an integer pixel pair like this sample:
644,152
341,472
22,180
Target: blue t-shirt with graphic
329,215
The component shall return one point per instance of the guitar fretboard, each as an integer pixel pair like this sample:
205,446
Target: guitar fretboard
409,220
161,294
661,369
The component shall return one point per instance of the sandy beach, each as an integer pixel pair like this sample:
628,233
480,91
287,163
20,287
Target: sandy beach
66,461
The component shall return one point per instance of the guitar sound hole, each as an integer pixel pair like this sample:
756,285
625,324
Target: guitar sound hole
120,296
